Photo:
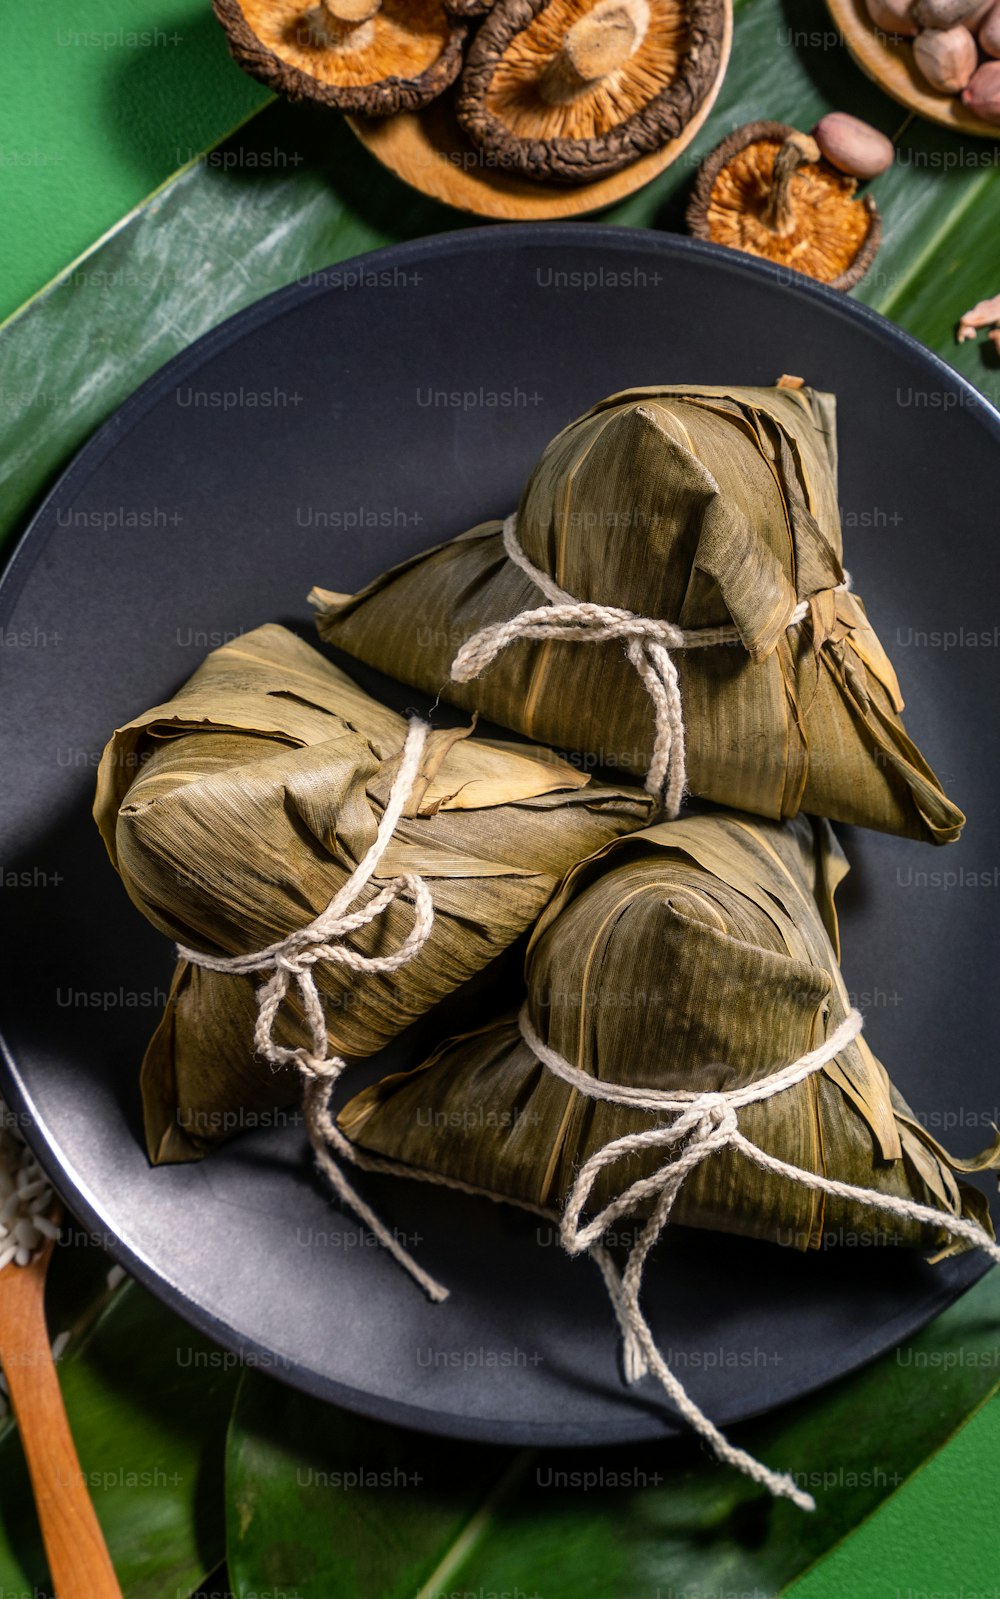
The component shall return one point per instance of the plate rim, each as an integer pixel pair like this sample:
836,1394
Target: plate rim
460,240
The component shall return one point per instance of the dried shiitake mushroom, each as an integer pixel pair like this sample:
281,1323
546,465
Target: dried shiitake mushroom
573,90
369,57
766,190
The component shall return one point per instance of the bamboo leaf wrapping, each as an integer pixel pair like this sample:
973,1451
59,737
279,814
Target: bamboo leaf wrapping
236,811
703,507
693,955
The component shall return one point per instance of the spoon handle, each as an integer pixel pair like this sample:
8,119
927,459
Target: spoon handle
79,1563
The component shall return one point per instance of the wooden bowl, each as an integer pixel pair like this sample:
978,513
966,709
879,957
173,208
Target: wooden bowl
892,66
430,152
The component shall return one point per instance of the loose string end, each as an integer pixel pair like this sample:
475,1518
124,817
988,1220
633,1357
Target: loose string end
324,1136
785,1487
634,1364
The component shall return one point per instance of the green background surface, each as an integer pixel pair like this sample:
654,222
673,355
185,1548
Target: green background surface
103,100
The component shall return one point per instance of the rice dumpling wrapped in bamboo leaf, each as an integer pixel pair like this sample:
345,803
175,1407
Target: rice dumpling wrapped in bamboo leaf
687,1052
236,811
711,509
696,956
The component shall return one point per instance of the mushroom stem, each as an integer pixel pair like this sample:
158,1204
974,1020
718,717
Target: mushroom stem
797,150
594,47
341,24
351,12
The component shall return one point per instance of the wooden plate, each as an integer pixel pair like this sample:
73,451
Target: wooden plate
429,151
894,69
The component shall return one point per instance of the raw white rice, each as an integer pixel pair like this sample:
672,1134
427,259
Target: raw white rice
25,1197
25,1200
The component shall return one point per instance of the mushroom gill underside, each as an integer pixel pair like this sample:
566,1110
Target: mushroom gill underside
570,91
371,57
824,234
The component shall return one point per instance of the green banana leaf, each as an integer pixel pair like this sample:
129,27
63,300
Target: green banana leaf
321,1502
148,1402
292,191
432,1518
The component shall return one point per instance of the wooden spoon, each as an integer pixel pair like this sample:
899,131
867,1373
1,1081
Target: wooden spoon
79,1562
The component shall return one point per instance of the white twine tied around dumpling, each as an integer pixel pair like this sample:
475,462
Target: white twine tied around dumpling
706,1123
648,644
292,959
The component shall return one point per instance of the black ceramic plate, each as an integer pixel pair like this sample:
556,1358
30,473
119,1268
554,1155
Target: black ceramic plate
317,437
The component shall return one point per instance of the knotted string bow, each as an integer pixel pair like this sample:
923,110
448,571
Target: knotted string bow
293,959
648,643
704,1125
